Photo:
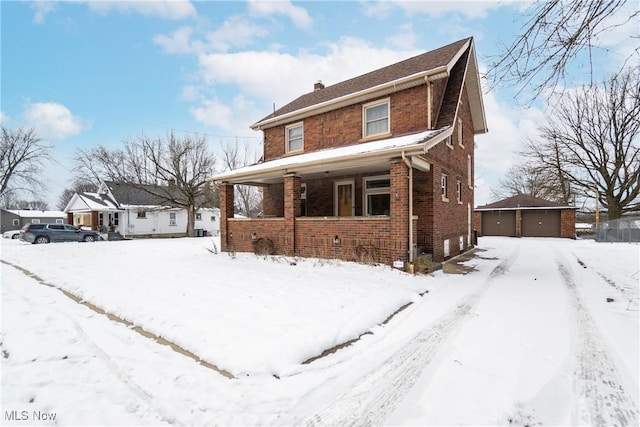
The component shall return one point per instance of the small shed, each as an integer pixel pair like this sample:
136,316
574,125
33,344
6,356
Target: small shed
525,216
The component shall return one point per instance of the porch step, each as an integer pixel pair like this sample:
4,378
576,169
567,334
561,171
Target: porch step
114,235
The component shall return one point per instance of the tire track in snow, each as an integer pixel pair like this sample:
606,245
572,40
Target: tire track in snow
371,400
602,398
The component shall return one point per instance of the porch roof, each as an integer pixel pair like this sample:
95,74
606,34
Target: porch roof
351,159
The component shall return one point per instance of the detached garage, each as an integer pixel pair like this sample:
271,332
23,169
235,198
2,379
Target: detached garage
525,216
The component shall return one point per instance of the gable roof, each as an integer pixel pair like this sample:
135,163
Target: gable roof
411,72
138,195
522,201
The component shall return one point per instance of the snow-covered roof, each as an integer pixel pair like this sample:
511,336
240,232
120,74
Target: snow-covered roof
23,213
375,154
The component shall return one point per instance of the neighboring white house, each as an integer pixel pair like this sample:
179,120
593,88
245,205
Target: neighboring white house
134,212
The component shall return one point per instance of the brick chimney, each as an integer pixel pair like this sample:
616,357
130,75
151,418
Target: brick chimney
318,85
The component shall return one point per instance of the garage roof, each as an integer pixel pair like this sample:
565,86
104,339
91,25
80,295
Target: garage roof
522,201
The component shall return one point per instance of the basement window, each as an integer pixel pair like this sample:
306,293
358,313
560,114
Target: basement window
376,195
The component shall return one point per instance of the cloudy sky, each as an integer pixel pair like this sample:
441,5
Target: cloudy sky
88,73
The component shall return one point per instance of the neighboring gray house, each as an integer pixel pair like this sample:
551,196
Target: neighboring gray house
15,219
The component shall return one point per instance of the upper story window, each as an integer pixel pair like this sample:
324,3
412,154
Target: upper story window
376,195
460,142
375,118
294,135
142,214
443,187
459,191
449,142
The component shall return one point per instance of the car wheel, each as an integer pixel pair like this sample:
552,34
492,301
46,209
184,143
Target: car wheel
15,236
89,239
41,239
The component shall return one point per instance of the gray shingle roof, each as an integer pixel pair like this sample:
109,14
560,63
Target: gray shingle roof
522,201
424,62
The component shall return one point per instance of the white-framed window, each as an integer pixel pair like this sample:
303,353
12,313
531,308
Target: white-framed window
16,222
469,172
375,118
449,142
447,250
142,214
294,137
443,187
35,220
376,195
173,218
213,219
198,216
303,199
459,191
461,243
59,221
460,142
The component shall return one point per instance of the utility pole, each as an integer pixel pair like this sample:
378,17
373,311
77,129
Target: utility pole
597,209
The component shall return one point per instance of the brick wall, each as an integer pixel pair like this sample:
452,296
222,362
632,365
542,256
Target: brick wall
568,223
344,126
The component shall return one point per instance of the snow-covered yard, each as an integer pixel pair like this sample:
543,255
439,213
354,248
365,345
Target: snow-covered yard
545,331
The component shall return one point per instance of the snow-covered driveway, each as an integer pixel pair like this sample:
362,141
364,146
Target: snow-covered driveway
545,331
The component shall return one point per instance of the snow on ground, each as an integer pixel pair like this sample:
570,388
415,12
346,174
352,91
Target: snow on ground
528,338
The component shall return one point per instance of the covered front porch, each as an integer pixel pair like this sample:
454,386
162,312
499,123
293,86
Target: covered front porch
367,202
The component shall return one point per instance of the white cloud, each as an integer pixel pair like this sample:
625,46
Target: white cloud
166,9
235,32
229,118
405,39
42,8
53,121
298,15
497,150
284,76
3,117
469,8
179,42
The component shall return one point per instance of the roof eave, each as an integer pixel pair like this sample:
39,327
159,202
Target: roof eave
340,163
353,98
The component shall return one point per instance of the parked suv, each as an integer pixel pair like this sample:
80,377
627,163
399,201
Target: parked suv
45,233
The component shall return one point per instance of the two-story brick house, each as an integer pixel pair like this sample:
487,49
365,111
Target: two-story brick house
375,168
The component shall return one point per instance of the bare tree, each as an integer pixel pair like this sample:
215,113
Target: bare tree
248,199
172,169
22,154
78,186
535,180
555,34
592,136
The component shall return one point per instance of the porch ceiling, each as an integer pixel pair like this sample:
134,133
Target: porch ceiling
353,159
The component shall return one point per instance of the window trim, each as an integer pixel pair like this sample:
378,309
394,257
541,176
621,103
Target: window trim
59,221
365,107
35,220
459,191
449,142
173,219
460,141
287,142
198,216
469,172
444,187
303,199
141,214
374,191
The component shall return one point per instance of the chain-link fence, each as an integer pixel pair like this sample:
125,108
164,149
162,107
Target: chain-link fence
625,229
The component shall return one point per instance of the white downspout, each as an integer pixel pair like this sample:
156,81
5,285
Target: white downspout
410,177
